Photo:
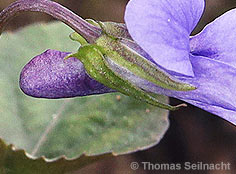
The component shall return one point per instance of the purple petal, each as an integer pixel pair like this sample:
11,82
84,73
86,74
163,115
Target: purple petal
50,76
216,87
162,29
217,40
216,91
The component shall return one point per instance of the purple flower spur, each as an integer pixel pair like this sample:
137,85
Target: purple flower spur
152,53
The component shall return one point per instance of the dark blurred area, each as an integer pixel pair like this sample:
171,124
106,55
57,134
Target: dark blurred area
194,135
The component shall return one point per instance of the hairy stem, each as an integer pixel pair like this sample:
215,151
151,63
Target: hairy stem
87,30
50,127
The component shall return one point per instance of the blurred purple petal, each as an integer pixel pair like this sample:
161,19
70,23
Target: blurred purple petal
216,87
162,29
50,76
216,91
217,40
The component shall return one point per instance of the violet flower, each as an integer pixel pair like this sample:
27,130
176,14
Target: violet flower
162,28
162,31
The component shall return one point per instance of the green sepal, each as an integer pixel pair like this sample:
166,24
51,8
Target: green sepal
93,22
77,37
96,66
114,30
123,56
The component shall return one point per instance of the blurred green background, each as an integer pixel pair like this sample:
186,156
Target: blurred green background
194,135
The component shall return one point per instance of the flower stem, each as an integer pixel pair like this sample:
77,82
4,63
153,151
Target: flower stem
81,26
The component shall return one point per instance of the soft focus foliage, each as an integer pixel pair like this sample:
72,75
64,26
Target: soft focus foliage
18,161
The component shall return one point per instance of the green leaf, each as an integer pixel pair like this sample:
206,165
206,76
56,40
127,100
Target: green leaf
14,161
87,125
104,124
